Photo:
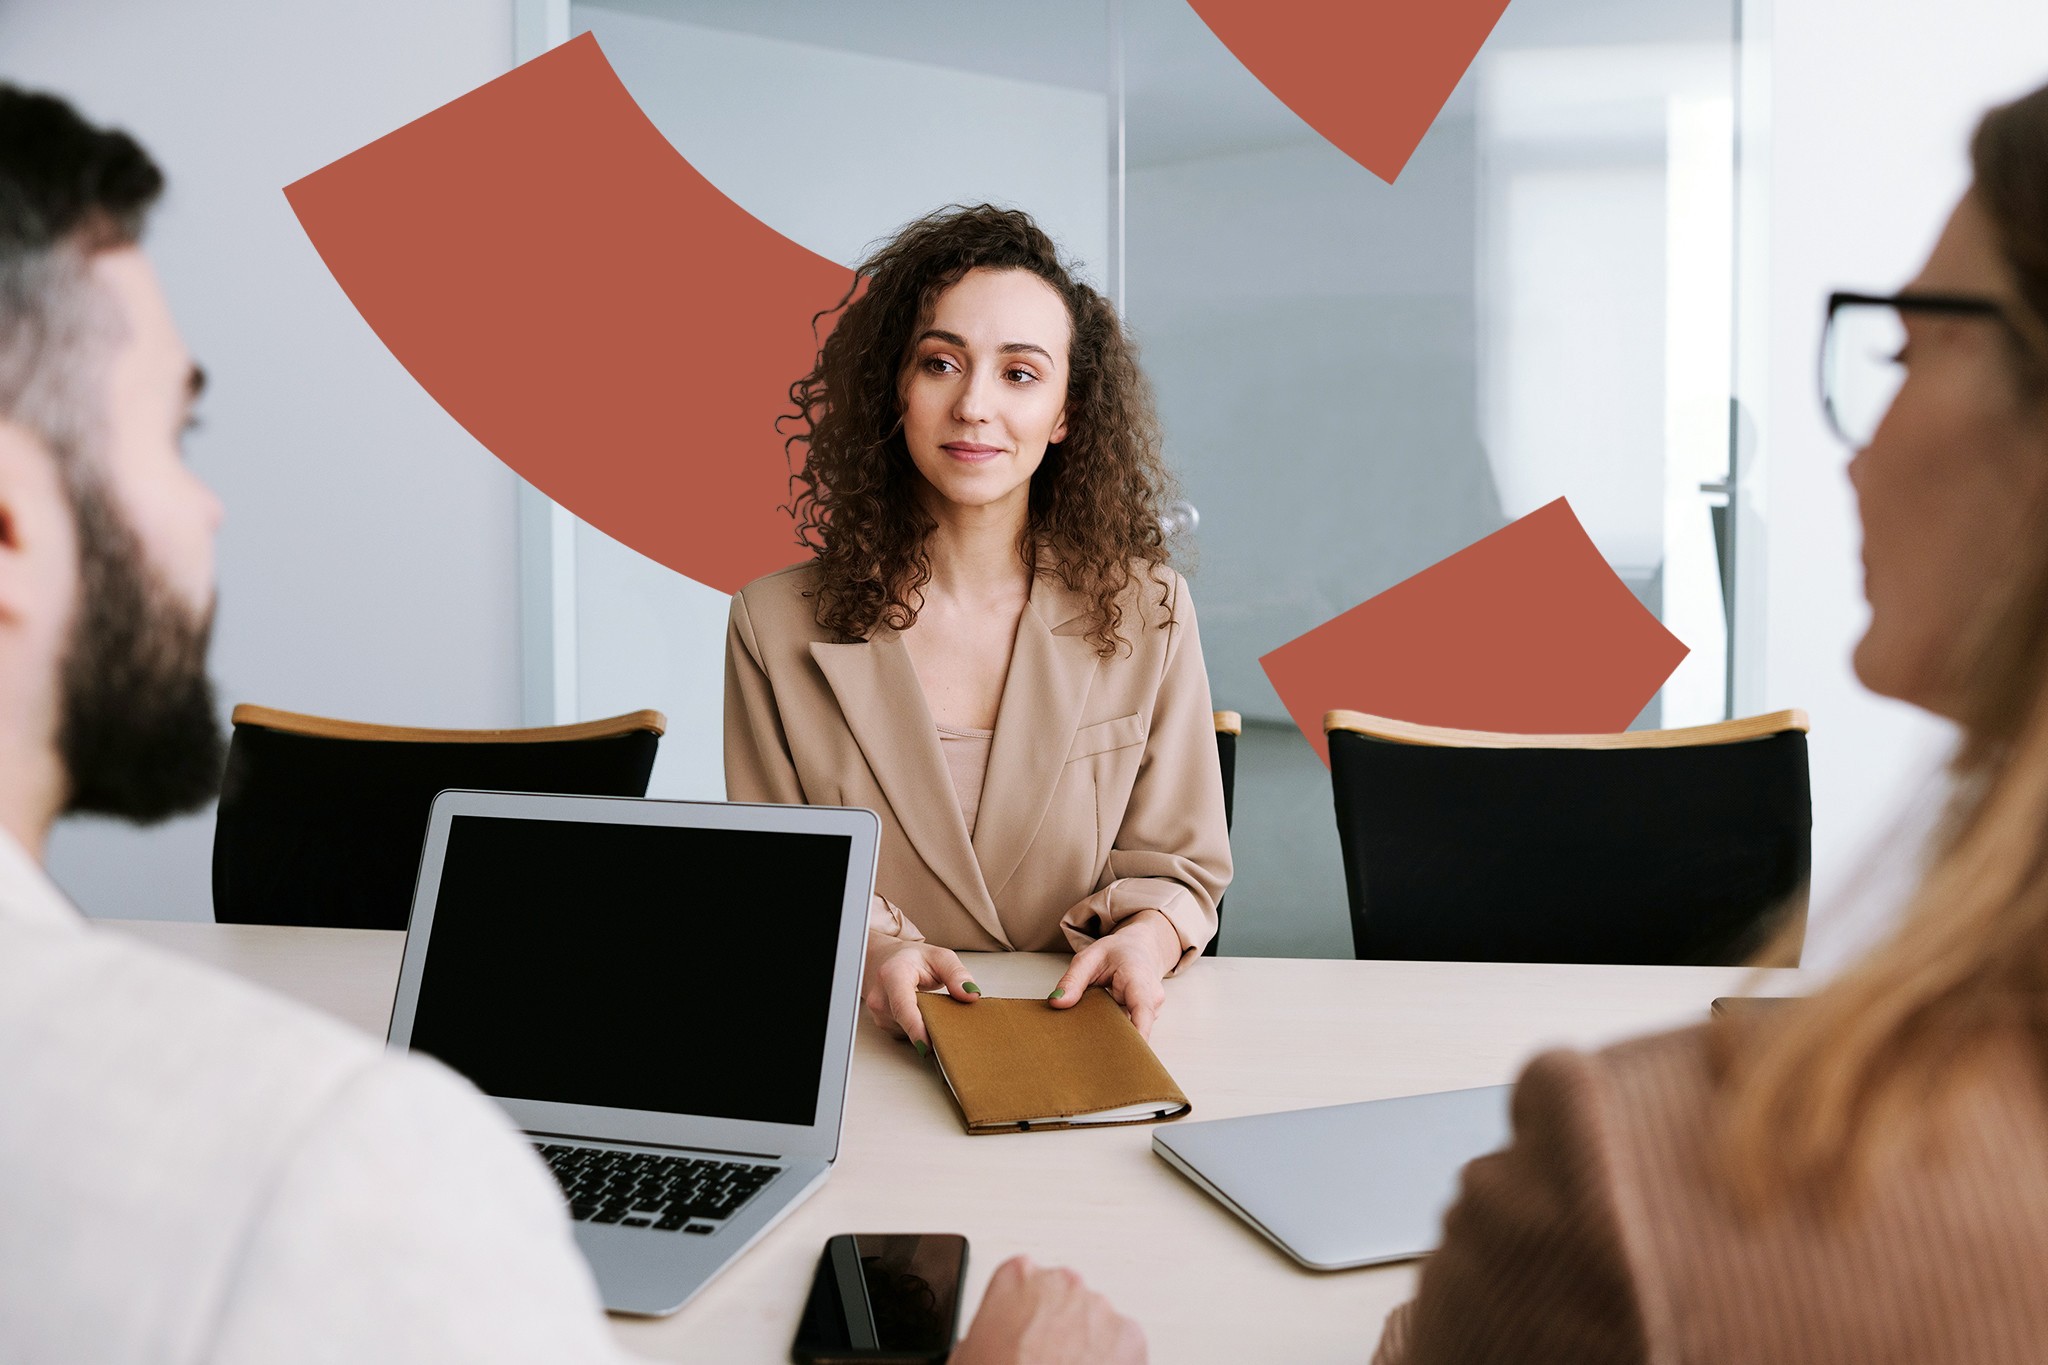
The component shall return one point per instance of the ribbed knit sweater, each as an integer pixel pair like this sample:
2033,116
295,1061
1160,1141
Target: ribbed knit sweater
1605,1233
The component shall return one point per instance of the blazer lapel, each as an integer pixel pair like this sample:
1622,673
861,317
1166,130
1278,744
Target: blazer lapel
1052,666
878,692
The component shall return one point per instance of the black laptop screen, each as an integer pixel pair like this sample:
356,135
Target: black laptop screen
683,971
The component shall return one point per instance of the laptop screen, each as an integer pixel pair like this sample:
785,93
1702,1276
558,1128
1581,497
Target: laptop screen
650,967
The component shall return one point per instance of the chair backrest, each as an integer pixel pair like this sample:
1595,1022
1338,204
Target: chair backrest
1655,846
1229,725
321,821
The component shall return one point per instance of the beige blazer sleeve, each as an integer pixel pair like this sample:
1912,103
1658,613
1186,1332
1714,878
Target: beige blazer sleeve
758,766
1172,850
1532,1267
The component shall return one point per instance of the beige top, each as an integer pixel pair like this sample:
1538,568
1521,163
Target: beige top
1101,796
1605,1233
966,754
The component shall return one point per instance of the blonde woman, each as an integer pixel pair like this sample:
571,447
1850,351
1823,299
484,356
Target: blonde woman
1861,1177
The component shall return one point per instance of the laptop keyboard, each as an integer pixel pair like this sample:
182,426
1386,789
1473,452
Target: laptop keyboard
652,1189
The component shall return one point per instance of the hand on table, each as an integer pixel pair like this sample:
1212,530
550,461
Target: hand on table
1131,962
1047,1317
897,971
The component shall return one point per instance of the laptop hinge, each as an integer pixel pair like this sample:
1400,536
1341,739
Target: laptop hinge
586,1139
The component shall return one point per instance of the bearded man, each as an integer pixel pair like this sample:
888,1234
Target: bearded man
192,1169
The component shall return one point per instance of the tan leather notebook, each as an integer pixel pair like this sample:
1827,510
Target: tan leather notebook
1018,1065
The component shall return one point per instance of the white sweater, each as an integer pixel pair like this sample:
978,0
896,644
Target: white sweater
192,1169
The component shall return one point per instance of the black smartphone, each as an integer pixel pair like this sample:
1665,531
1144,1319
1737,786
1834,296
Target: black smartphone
883,1299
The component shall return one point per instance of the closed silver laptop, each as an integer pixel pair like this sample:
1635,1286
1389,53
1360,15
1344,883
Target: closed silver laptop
662,994
1347,1185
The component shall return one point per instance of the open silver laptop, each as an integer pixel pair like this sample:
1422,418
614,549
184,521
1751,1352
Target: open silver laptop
662,994
1347,1185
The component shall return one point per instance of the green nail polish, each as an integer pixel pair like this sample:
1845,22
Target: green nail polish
970,988
1057,993
919,1045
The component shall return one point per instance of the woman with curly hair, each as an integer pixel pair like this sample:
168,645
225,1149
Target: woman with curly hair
988,647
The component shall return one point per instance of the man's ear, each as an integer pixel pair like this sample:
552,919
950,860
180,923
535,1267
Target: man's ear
18,446
28,477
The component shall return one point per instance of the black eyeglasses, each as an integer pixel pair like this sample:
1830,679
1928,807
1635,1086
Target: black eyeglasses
1860,348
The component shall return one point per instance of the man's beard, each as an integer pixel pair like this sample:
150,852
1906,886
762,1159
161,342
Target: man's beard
138,733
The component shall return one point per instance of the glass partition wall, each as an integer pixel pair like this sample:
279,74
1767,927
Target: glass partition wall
1359,379
1355,379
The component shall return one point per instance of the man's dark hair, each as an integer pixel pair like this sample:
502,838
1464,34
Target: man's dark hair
137,733
67,190
61,178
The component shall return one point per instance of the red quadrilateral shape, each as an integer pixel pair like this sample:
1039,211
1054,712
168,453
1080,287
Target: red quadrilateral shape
1527,631
594,311
1369,75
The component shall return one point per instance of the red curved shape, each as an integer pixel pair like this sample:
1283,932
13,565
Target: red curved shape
1369,75
1527,631
587,305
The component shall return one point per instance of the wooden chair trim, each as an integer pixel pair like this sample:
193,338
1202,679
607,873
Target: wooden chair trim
1229,723
324,727
1722,732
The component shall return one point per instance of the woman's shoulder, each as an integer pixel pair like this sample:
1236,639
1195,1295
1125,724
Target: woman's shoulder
1628,1139
788,581
1626,1129
793,586
1156,592
1630,1093
1159,573
782,603
1151,594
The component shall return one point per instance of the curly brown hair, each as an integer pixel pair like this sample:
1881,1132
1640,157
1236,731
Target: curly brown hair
1095,500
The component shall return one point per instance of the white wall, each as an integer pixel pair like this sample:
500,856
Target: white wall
900,139
1872,102
368,563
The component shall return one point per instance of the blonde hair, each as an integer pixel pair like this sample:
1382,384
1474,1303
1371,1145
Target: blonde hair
1855,1076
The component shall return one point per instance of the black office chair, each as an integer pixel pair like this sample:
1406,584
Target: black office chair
1654,846
1229,725
321,821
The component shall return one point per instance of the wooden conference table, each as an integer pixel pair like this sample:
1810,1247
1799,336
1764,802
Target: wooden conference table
1241,1035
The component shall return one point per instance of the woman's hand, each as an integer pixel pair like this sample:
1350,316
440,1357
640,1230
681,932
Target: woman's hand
897,970
1131,962
1047,1317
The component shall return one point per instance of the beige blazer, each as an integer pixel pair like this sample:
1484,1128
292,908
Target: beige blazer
1603,1234
1103,797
